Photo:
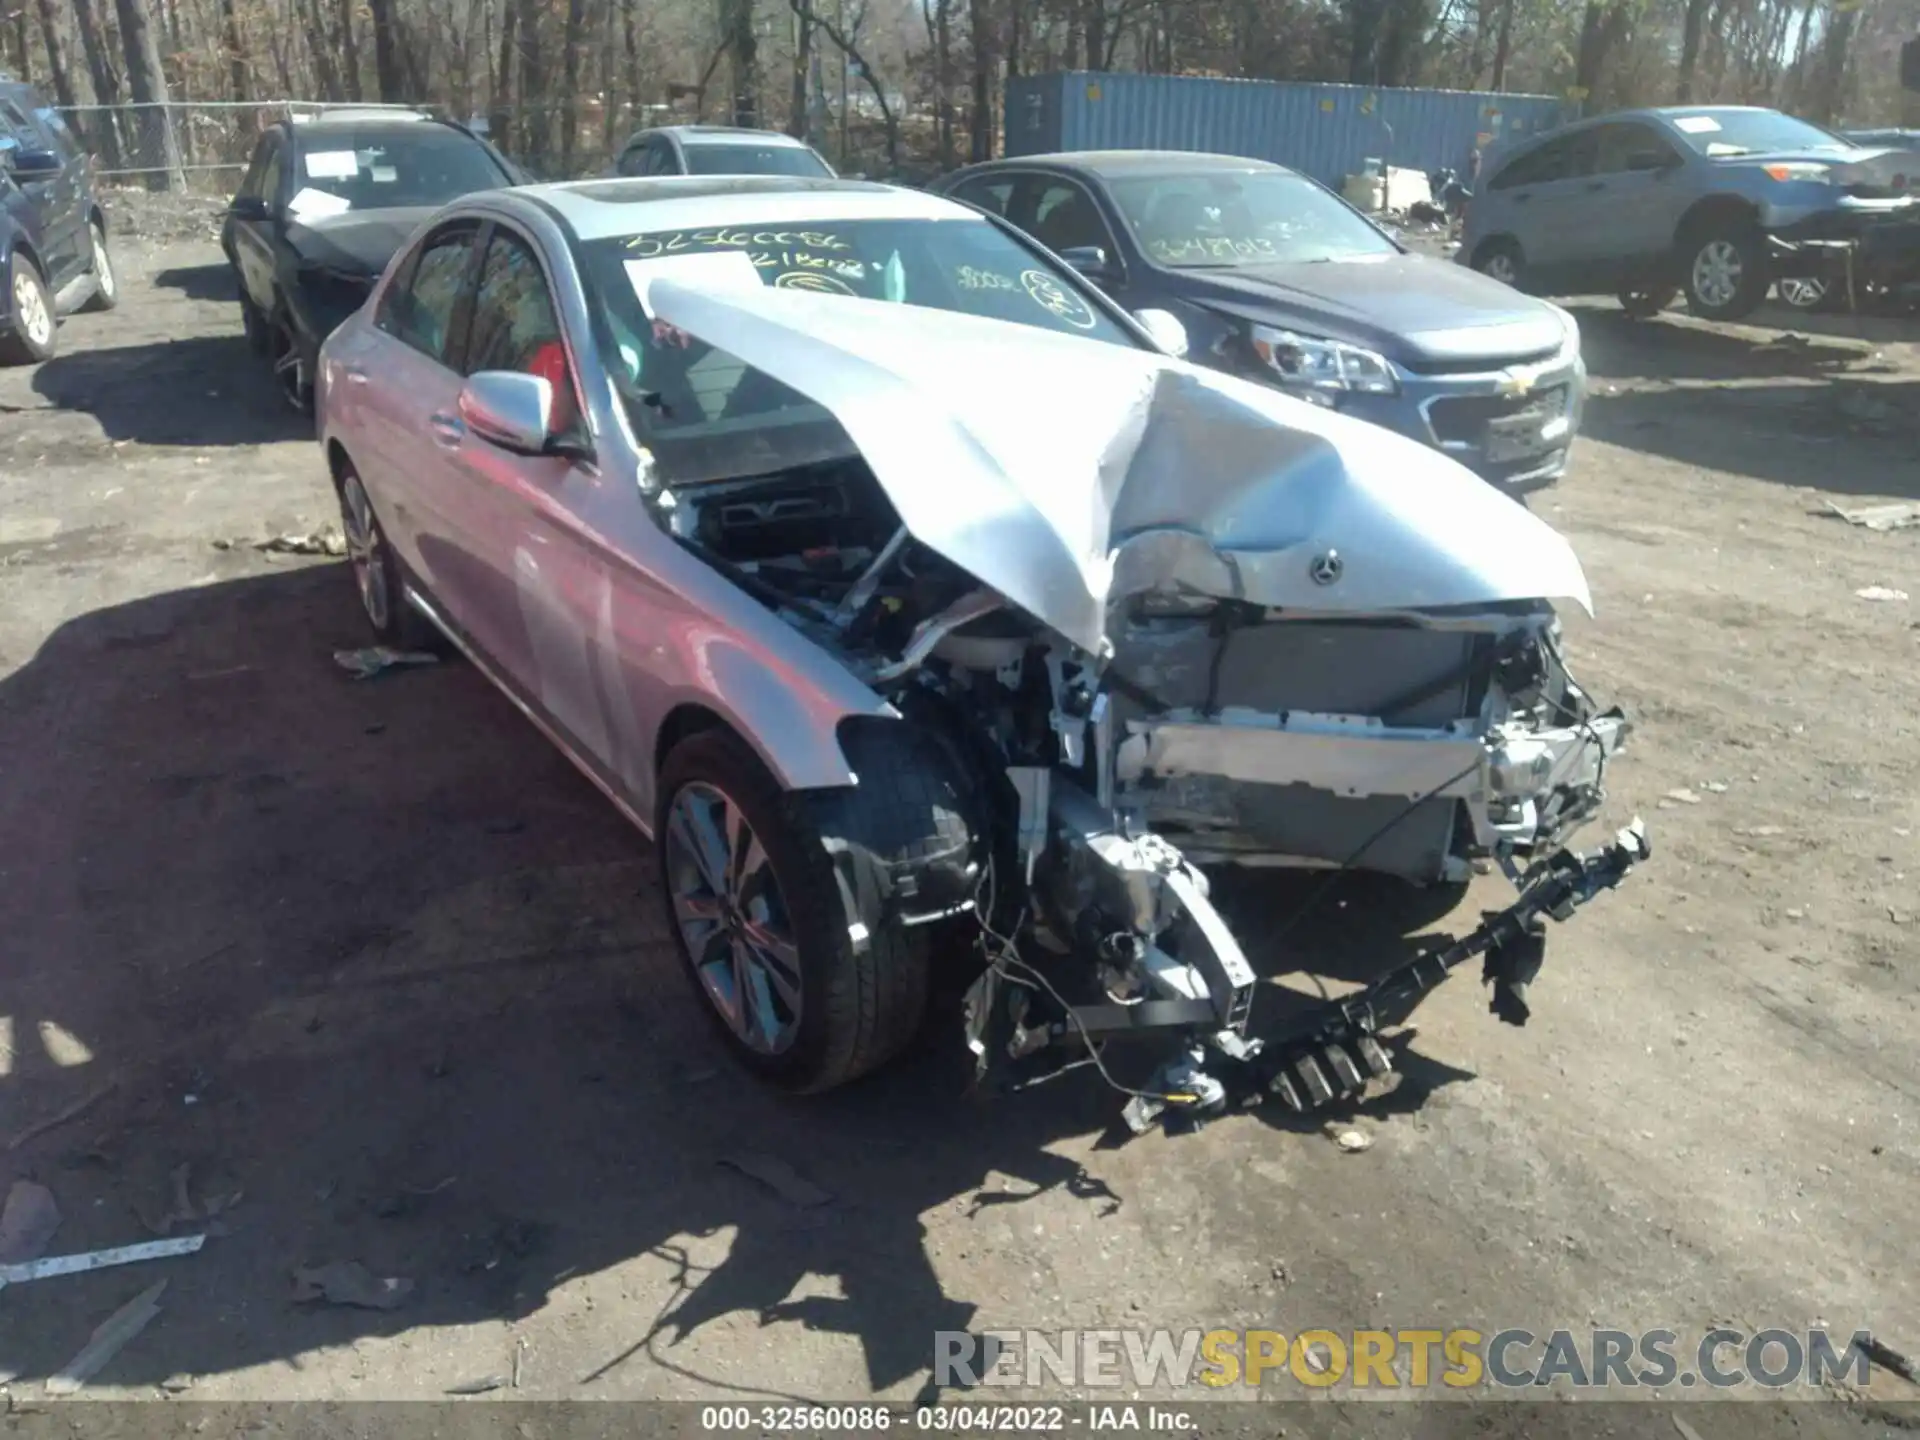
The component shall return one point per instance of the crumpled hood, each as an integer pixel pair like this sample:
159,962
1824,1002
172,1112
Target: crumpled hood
1410,308
355,241
1067,473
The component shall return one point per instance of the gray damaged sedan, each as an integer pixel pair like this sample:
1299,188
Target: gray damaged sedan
925,613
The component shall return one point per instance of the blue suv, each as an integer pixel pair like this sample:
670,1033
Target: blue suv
53,233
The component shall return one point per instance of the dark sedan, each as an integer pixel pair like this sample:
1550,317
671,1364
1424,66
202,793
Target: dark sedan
325,205
1275,277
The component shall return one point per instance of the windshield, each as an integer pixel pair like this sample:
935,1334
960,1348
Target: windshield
1751,132
718,415
753,160
388,168
1256,217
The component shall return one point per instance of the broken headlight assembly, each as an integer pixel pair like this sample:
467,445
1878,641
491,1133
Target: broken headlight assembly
1318,369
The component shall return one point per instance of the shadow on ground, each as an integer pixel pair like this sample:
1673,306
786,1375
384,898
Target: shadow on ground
200,282
218,393
349,949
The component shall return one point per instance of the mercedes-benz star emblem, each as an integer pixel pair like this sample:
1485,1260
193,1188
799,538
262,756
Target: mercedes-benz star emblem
1326,568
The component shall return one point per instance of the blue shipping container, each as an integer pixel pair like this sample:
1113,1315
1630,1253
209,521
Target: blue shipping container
1326,131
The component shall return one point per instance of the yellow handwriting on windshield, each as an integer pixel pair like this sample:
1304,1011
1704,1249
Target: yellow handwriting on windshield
1058,301
675,242
1211,247
969,278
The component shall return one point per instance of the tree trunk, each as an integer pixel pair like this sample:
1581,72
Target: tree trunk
610,133
1835,50
844,44
57,67
17,35
350,52
388,68
630,41
320,47
1601,31
941,23
1502,47
980,138
1693,28
104,129
237,87
797,115
536,119
1093,19
743,51
500,102
570,84
147,84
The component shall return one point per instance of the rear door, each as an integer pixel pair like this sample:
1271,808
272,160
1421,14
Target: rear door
406,370
1542,196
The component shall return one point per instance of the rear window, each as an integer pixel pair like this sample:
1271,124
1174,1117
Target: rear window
712,159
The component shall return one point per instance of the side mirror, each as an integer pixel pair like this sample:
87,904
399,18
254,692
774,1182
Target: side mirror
510,410
1091,261
31,164
250,207
1163,327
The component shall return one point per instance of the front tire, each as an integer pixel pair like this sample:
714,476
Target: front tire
30,304
1726,270
783,902
106,281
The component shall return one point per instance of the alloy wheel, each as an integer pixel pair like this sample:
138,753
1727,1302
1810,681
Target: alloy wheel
30,308
1803,294
1717,272
288,368
364,552
1500,267
733,918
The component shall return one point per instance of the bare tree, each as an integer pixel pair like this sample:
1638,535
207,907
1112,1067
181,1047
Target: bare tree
147,84
57,67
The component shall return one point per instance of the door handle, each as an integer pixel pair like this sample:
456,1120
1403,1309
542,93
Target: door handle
449,430
356,375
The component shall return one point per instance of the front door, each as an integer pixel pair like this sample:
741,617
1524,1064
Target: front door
53,198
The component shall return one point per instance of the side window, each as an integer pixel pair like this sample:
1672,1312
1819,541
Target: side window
253,183
59,137
515,326
1564,159
660,159
988,193
632,160
419,306
1065,218
1623,148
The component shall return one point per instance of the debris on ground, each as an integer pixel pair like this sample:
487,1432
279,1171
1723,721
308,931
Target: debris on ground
481,1386
780,1177
72,1112
519,1353
327,540
28,1222
348,1282
1682,796
180,1209
1349,1139
55,1265
365,664
1878,517
108,1341
177,1384
1687,1432
1881,592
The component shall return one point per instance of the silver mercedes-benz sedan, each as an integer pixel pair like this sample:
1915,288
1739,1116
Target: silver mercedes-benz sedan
908,592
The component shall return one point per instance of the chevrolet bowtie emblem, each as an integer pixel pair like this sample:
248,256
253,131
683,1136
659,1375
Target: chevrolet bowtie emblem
1515,383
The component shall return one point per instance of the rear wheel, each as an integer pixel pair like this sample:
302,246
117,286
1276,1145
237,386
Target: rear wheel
377,573
1803,293
783,902
30,305
1725,269
1500,260
106,284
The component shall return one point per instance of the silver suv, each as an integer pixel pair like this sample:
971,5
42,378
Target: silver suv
1718,202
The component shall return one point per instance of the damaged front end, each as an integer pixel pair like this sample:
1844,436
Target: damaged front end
1192,624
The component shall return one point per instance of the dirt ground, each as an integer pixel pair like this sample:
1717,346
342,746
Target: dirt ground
389,978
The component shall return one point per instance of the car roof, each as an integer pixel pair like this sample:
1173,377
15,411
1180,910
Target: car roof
1118,163
727,135
596,209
